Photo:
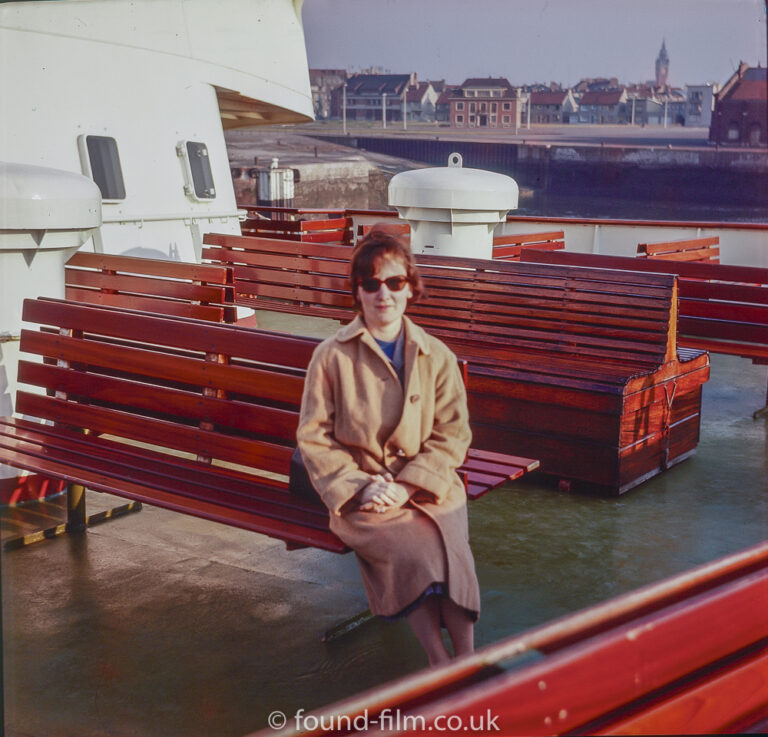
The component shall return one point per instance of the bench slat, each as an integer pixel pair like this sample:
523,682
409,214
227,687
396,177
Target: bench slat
508,246
272,501
241,246
724,329
230,448
163,401
139,361
174,468
145,286
173,332
689,249
280,527
209,273
200,291
148,304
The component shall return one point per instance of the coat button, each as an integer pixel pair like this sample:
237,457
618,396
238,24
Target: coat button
414,398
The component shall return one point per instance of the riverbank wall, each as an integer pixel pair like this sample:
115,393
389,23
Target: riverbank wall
669,175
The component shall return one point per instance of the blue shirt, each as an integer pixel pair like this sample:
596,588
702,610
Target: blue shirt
394,350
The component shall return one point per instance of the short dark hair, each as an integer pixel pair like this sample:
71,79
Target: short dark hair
376,245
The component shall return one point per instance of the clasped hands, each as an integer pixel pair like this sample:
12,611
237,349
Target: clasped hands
384,493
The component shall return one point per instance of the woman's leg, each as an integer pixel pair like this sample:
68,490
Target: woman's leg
425,622
459,625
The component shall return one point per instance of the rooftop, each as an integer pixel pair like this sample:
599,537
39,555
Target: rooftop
486,82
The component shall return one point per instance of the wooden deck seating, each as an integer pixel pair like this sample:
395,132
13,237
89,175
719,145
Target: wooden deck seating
397,228
508,247
202,291
689,249
687,655
285,276
192,416
579,369
723,308
311,226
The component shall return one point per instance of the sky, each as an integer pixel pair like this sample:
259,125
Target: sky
530,41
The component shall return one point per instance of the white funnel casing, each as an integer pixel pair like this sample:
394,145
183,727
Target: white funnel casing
45,216
453,211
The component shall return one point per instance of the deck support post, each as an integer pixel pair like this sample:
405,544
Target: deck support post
76,519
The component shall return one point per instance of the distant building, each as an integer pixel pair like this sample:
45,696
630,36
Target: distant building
443,104
642,104
674,105
485,103
739,118
552,107
595,84
700,102
603,107
367,95
323,82
662,66
420,102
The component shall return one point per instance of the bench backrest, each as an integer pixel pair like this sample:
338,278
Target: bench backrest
397,228
556,312
286,276
507,306
508,247
719,303
321,230
689,249
218,392
201,291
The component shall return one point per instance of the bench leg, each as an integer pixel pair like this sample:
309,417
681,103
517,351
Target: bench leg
77,519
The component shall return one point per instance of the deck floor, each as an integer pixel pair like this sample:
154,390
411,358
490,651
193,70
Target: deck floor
161,625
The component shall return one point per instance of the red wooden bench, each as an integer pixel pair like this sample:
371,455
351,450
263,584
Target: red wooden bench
723,308
688,655
508,247
311,226
184,414
397,228
579,369
689,249
202,291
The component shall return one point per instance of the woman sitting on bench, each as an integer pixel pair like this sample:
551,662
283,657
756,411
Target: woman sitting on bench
384,425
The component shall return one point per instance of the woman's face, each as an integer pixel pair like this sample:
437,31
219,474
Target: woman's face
383,309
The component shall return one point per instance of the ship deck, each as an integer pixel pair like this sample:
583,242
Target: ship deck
159,624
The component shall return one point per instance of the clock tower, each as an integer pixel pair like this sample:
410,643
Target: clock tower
662,66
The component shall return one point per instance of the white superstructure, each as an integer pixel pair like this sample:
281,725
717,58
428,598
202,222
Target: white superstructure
83,80
133,95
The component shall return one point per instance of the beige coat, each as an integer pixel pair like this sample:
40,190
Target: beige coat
356,420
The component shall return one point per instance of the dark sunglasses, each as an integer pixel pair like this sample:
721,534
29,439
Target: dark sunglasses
394,284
